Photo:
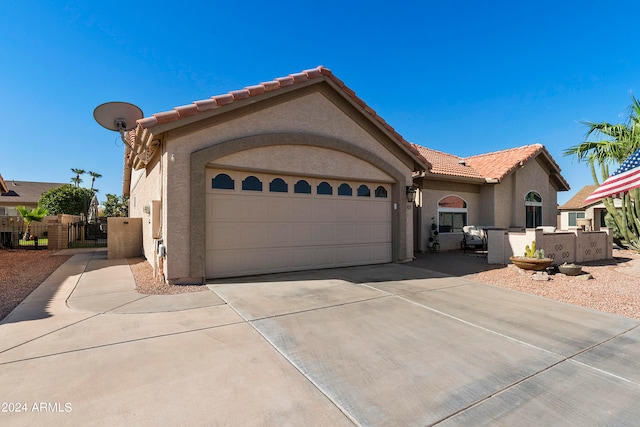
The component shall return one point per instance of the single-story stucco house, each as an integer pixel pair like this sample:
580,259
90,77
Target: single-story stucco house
291,174
15,193
575,212
511,189
299,173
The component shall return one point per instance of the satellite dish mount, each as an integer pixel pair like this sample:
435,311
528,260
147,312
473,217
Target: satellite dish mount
118,116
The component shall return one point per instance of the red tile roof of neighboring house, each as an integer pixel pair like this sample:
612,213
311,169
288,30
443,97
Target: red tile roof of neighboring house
320,72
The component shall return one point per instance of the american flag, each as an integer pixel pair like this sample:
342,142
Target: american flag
625,178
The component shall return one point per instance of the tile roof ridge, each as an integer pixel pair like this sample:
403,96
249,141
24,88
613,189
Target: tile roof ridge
493,153
433,150
217,101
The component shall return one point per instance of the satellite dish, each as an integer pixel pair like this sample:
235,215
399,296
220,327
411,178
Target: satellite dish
117,116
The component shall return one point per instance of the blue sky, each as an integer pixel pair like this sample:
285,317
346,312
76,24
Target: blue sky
463,77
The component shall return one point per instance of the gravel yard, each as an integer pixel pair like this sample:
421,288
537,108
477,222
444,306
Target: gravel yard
612,286
21,271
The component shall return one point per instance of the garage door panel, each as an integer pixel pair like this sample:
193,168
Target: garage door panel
252,235
277,209
324,210
344,233
324,233
252,209
381,232
301,209
302,234
222,210
223,235
277,258
250,232
303,258
325,257
278,234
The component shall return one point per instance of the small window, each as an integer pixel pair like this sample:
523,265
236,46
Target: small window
574,217
345,190
223,181
251,183
381,192
302,187
452,202
278,185
324,188
532,196
363,191
452,214
533,209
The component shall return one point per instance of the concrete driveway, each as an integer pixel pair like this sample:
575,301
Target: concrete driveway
378,345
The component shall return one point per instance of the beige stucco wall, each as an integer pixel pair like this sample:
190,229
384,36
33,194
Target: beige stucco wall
303,160
492,205
124,239
432,192
511,192
573,246
313,114
147,185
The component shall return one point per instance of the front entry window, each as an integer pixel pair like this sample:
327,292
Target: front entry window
452,214
533,209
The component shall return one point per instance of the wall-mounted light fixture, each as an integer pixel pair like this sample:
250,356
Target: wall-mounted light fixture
411,193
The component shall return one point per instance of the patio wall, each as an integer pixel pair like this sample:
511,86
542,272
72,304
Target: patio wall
573,246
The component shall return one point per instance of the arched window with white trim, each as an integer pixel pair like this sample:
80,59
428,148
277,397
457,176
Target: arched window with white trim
452,214
533,209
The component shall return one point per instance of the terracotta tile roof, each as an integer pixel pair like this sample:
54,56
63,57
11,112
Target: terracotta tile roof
493,166
218,101
577,201
499,164
447,164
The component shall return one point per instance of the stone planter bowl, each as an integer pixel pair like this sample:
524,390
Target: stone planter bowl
535,264
570,269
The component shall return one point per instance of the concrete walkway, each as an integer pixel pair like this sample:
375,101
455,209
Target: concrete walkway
378,345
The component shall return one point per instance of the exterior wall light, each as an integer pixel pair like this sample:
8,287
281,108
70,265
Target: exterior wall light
411,193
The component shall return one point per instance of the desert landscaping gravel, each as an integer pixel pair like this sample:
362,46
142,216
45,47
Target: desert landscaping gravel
612,286
21,271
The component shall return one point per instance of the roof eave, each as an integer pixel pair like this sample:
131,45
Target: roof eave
455,178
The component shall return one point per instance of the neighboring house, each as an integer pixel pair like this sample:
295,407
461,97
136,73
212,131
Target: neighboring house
292,174
21,193
575,212
512,189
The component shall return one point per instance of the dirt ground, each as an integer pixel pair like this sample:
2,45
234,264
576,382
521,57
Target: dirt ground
21,271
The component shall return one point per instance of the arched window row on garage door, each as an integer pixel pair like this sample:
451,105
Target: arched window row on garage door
223,181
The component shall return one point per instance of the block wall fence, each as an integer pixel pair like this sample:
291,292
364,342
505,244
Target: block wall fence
575,246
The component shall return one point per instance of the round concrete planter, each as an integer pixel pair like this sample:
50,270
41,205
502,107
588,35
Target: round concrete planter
535,264
570,269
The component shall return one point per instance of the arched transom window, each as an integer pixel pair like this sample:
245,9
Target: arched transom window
533,209
452,214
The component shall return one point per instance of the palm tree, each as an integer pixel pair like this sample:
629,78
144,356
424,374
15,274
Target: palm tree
94,175
620,141
30,215
77,179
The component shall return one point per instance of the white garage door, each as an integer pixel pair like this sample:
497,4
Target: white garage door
259,223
